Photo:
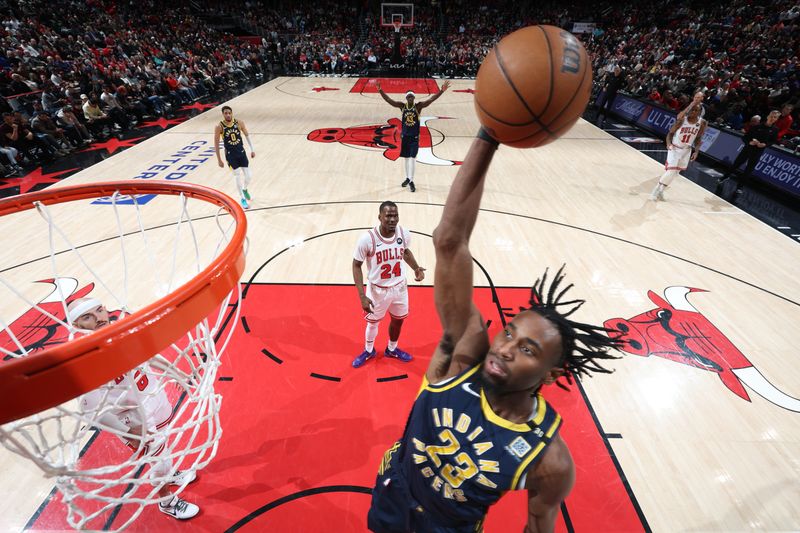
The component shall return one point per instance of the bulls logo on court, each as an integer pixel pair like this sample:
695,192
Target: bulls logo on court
385,137
34,330
676,331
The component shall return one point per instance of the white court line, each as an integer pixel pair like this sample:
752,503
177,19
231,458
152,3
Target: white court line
724,213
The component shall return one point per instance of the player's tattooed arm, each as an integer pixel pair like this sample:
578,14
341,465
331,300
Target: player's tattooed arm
453,288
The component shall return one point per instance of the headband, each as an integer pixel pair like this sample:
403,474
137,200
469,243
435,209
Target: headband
83,307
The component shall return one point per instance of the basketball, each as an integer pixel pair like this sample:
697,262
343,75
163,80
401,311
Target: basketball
532,86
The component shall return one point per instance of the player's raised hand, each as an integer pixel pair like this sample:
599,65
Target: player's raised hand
366,304
419,274
445,86
378,86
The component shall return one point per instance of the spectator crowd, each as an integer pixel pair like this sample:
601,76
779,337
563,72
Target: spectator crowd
74,71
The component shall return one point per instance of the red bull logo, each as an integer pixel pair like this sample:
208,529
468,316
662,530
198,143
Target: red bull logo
384,137
35,330
675,330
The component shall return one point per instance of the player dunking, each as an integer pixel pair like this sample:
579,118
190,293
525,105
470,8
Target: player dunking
132,394
479,426
385,250
232,131
683,144
409,145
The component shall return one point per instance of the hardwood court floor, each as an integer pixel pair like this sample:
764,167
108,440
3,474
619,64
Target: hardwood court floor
703,445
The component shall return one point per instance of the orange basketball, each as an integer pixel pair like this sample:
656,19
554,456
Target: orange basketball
533,86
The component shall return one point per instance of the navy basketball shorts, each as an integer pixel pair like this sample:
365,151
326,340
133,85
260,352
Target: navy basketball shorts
409,146
237,159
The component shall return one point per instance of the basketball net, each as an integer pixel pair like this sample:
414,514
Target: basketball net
108,486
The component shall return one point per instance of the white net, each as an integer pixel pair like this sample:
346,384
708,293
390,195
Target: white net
142,437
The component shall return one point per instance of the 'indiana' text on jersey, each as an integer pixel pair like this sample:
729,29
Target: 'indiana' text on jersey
232,136
460,456
410,120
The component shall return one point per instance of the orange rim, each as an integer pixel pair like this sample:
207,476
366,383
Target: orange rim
43,380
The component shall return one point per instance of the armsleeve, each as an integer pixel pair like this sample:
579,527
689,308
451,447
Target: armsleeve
363,248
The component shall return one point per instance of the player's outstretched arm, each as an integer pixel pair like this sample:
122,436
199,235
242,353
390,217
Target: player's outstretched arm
548,484
393,103
464,339
429,101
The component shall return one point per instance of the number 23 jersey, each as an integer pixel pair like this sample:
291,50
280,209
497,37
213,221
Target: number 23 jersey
383,256
460,457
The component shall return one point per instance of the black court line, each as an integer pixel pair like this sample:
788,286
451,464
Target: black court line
613,435
323,376
225,378
527,217
50,496
613,457
296,496
392,378
567,519
129,489
245,326
313,237
272,356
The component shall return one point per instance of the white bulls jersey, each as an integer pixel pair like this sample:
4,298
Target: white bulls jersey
384,257
686,134
120,399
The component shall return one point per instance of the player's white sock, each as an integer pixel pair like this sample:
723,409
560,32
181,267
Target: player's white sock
237,174
410,172
407,164
667,177
392,345
246,181
369,336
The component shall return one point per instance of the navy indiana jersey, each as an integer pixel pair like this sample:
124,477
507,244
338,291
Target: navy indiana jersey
410,120
458,457
232,137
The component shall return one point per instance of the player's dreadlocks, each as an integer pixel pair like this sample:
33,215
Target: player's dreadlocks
583,345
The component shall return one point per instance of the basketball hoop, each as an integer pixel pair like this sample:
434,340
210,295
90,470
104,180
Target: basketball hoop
397,25
174,335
